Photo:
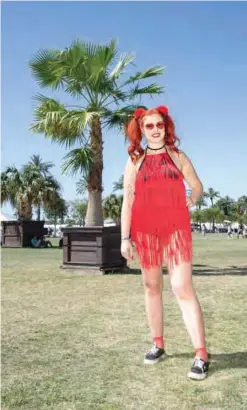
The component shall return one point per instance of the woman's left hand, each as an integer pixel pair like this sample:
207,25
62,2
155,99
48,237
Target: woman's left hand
189,202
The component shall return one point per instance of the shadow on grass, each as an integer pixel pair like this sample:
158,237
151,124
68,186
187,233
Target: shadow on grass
204,270
198,270
33,249
221,361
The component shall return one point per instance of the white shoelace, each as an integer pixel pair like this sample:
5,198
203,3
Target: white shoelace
154,349
199,363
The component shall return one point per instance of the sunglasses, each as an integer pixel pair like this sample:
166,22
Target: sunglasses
160,125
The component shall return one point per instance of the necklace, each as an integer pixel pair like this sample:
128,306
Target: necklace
156,149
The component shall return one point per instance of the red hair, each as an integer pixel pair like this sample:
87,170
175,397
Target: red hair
134,134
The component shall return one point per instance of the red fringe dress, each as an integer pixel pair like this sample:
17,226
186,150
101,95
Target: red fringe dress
160,222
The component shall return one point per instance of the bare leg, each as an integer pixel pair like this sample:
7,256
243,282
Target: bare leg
181,282
153,284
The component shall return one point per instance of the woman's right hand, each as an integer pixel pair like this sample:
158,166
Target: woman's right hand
127,250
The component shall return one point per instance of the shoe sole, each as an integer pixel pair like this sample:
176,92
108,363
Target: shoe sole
195,376
155,361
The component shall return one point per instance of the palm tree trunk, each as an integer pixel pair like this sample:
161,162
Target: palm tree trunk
55,227
199,209
38,212
28,211
212,202
25,210
94,216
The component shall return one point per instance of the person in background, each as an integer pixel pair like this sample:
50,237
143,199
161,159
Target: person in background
35,242
204,230
40,242
45,243
229,232
240,230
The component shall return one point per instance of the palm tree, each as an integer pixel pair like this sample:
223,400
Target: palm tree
197,217
7,187
17,189
241,205
226,205
26,188
97,77
201,202
213,215
112,206
212,194
119,185
43,168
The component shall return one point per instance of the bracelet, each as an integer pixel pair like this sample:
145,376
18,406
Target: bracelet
126,238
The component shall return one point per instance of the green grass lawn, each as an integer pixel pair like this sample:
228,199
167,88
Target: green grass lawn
72,342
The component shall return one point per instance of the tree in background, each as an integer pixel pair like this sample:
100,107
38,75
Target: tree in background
226,205
77,212
241,205
212,195
198,217
43,169
112,206
105,96
212,215
201,203
26,188
119,185
55,212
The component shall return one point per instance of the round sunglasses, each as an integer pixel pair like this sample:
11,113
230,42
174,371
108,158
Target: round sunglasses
150,126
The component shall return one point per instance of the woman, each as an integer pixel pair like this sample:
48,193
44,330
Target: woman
155,212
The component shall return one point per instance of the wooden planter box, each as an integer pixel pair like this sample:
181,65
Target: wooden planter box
18,234
93,247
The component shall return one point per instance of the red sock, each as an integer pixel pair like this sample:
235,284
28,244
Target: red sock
159,341
202,353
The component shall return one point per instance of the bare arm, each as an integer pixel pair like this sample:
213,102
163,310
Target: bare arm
191,177
128,198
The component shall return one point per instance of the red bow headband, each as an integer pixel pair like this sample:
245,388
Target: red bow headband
162,109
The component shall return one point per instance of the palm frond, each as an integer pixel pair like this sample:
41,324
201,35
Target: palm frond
37,161
120,117
82,184
110,91
99,63
78,120
150,72
118,186
61,125
124,61
45,69
152,89
77,69
77,160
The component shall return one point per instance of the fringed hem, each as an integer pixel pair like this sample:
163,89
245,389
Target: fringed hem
155,251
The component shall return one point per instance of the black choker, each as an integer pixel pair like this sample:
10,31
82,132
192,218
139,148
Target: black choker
156,149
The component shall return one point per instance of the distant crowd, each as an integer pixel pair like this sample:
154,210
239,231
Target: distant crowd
241,231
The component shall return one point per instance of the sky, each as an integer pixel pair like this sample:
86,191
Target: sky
203,48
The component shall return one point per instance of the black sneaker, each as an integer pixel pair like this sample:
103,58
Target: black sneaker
199,370
154,355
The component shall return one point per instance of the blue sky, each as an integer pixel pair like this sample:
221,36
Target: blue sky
201,44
